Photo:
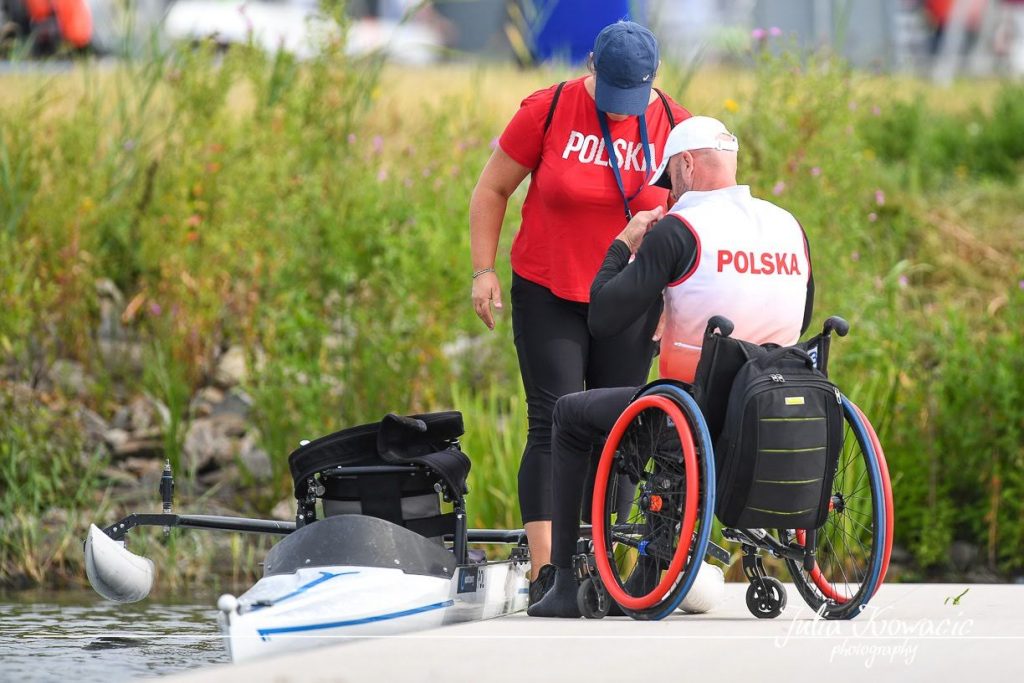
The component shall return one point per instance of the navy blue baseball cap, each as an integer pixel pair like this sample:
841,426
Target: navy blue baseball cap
625,60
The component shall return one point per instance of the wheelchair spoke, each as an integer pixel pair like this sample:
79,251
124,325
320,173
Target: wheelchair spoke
854,566
858,524
846,579
861,513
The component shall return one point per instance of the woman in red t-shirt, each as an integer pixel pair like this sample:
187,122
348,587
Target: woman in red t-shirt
589,145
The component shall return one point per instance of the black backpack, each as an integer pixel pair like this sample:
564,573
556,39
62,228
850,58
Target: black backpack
780,443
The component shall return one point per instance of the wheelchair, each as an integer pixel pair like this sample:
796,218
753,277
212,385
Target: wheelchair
661,449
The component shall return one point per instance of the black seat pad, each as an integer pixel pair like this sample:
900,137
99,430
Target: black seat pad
401,438
394,440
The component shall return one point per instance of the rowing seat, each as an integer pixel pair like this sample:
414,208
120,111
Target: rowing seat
396,469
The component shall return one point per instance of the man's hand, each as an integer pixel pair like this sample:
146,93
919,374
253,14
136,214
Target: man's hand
659,331
486,291
633,233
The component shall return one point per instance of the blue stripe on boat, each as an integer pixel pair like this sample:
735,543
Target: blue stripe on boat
324,576
265,633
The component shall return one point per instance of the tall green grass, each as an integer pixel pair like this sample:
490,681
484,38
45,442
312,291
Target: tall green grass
318,218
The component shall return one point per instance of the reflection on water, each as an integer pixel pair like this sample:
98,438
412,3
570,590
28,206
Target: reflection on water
82,637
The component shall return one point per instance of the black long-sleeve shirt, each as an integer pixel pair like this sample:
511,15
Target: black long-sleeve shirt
623,291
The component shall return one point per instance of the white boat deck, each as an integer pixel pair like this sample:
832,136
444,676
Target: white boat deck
907,634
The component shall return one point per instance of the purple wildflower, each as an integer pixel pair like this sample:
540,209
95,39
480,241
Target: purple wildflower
775,31
758,34
872,216
816,171
779,188
378,144
245,16
351,138
382,175
154,308
880,197
903,281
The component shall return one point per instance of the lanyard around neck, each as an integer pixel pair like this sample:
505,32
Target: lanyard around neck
613,159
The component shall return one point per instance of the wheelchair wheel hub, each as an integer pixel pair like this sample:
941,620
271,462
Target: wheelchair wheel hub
651,502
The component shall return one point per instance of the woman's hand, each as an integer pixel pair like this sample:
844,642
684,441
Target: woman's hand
499,179
642,221
486,291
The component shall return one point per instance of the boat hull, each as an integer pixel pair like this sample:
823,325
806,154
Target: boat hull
317,606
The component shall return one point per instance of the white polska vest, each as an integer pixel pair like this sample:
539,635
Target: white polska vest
751,266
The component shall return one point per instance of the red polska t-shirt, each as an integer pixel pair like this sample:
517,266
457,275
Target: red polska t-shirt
573,209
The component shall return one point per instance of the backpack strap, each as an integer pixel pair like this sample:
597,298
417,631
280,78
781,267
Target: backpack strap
558,93
797,352
554,103
664,102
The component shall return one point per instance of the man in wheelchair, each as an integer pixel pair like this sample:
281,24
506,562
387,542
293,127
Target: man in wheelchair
718,251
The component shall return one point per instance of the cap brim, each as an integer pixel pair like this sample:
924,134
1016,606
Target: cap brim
614,100
661,177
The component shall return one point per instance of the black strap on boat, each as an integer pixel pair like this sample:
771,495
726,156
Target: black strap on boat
432,527
381,497
452,465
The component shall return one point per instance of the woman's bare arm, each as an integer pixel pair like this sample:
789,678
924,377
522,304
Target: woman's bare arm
499,179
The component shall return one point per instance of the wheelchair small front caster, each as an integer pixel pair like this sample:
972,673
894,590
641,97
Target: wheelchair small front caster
766,597
592,599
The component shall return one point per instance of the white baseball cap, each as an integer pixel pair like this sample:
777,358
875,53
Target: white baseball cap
696,132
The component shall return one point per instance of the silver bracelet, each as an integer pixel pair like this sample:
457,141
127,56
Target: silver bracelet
482,271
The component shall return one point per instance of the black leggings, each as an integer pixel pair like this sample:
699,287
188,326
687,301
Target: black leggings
557,356
580,420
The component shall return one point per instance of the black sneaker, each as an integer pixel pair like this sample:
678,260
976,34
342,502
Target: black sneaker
542,584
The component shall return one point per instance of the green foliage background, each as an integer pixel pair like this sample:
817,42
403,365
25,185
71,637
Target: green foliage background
317,214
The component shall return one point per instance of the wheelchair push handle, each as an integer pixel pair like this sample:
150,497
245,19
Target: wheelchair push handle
724,325
837,325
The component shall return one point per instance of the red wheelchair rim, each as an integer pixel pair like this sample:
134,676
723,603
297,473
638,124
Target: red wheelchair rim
604,469
890,515
823,584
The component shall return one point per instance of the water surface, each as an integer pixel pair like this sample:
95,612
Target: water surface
78,636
